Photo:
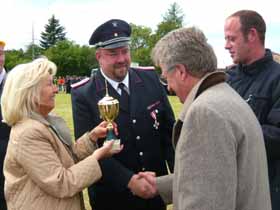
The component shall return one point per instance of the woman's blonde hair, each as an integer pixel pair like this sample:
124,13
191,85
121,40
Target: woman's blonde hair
21,93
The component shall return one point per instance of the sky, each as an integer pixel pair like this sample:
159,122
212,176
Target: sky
81,17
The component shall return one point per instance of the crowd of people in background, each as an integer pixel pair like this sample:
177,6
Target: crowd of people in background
64,83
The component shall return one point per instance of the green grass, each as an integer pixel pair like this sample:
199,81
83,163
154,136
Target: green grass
63,109
176,105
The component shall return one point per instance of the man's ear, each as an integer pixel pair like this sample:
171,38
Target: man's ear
252,35
97,54
182,71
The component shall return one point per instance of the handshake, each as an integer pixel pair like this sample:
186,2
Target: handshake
143,184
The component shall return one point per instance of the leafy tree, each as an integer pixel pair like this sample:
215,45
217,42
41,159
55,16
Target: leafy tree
33,51
172,19
142,39
15,57
140,45
53,33
71,59
140,36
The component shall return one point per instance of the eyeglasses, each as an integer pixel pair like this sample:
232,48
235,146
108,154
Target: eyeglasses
116,52
163,80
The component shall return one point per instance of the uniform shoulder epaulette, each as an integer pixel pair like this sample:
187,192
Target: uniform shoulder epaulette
145,68
80,83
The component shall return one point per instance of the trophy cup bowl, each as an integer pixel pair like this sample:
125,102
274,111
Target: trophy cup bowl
109,110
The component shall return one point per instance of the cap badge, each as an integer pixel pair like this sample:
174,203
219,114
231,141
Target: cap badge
115,24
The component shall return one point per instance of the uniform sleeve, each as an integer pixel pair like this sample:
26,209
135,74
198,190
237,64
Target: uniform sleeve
166,131
121,177
82,120
206,168
36,155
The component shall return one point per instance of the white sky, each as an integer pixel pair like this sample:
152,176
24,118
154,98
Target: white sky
81,17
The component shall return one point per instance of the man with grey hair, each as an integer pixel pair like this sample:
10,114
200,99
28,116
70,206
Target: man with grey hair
220,159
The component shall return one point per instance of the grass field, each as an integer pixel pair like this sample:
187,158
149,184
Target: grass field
63,109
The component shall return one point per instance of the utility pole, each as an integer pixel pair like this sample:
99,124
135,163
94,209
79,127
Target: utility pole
33,53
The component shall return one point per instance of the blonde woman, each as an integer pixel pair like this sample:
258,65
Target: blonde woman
43,168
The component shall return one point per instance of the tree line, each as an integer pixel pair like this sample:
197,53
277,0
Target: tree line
73,59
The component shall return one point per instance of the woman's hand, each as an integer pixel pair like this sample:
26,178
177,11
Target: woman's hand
100,131
106,150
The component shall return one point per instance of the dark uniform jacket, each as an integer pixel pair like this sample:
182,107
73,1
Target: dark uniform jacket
147,146
4,137
259,85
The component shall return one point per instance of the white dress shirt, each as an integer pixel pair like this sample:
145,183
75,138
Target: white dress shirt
115,84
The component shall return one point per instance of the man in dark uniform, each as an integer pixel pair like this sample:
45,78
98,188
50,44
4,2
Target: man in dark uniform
256,78
4,129
144,122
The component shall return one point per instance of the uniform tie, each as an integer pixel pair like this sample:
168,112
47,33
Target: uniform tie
124,99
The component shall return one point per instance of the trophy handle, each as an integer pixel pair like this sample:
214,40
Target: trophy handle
110,134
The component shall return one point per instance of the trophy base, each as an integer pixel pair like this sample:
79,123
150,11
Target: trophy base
116,144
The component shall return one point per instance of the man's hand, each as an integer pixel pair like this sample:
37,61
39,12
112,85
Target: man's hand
150,177
141,187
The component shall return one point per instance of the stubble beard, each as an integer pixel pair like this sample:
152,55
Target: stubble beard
120,71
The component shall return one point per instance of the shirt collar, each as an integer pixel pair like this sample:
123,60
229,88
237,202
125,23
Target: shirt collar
115,84
207,81
2,75
258,65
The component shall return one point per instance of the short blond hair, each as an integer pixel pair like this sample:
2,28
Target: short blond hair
21,93
2,43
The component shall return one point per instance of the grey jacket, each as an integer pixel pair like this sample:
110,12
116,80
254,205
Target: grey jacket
220,159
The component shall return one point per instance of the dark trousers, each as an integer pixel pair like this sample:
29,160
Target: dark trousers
3,148
123,201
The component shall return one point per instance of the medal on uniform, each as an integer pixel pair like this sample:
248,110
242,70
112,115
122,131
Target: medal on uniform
154,116
249,98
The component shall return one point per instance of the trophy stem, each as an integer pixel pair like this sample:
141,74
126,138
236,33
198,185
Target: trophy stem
112,137
110,134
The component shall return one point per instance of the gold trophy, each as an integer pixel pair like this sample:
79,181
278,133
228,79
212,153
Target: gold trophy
109,110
